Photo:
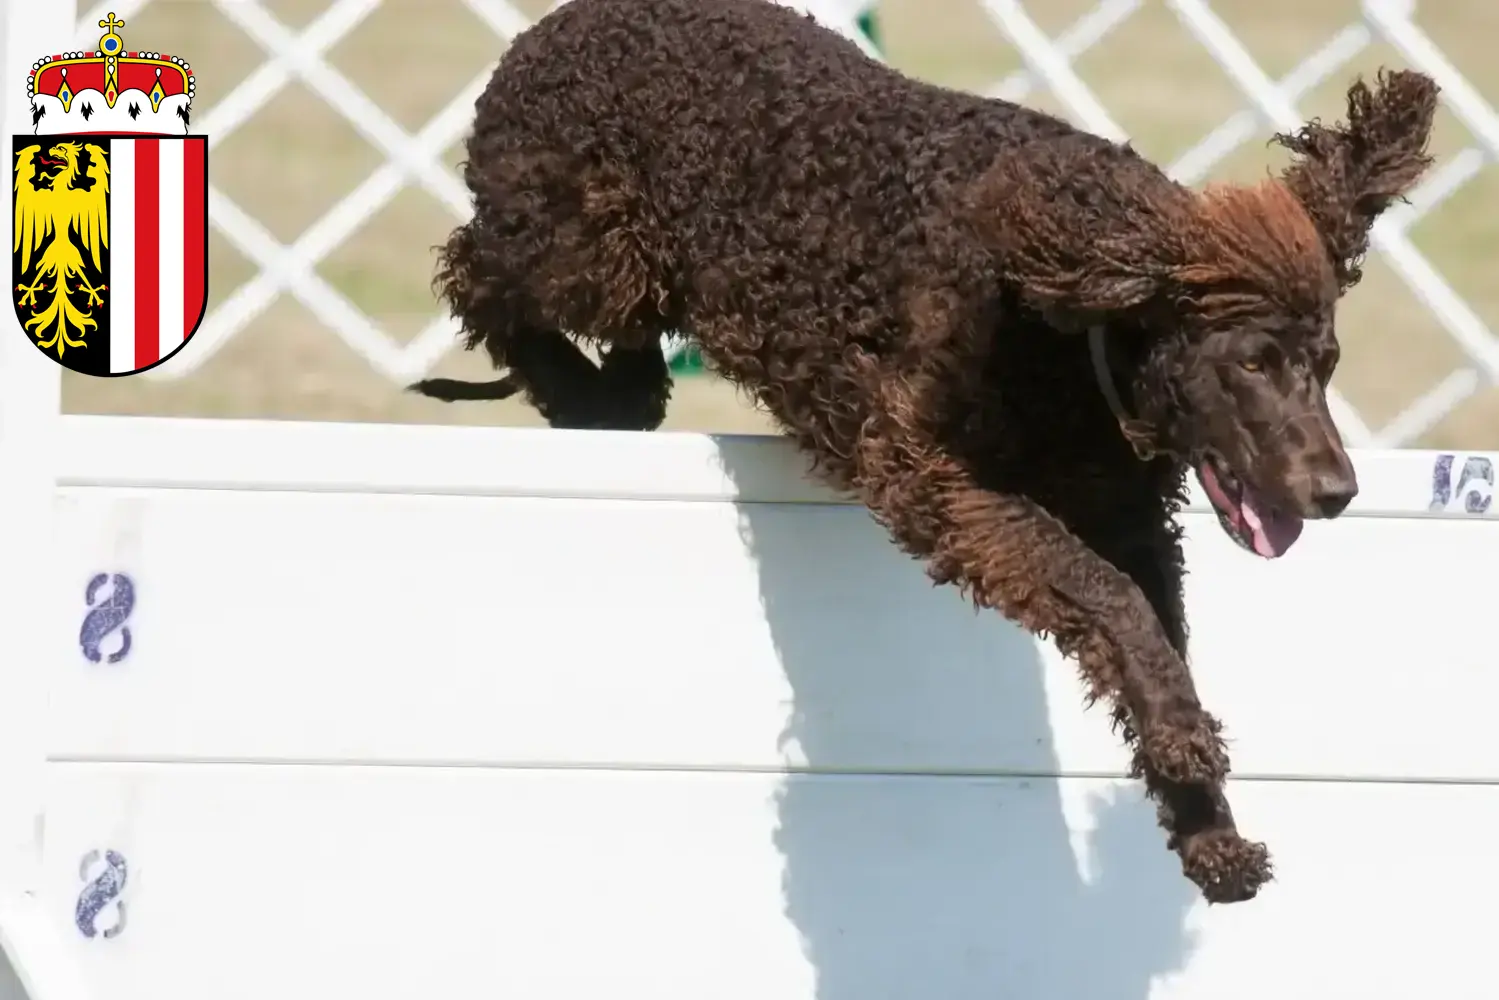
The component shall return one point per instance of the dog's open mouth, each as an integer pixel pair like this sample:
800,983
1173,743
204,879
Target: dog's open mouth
1249,519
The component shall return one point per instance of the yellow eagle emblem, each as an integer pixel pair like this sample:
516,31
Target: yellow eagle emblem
62,210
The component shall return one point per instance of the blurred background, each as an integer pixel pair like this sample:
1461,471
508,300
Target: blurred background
335,127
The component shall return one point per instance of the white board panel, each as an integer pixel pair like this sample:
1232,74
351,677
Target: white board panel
530,630
712,634
523,461
1367,651
313,882
310,627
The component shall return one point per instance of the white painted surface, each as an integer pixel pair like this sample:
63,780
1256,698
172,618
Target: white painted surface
32,965
649,714
306,627
307,882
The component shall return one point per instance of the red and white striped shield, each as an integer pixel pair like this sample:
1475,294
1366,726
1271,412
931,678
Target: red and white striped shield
111,250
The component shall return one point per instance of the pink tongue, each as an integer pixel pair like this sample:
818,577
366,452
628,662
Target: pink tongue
1271,532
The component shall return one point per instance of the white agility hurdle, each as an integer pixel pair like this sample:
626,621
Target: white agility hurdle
313,710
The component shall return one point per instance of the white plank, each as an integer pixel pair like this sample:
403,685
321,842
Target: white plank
401,629
1364,652
512,461
411,458
522,630
306,882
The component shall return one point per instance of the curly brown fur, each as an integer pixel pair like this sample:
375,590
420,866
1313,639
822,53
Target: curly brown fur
903,275
1349,174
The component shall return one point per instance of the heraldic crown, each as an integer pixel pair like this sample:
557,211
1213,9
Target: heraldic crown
110,90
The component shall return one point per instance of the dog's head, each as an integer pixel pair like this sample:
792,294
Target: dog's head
1234,369
1212,312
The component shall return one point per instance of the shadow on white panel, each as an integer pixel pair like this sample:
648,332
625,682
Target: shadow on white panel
1081,898
10,986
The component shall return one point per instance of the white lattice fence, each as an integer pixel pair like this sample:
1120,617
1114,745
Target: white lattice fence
415,158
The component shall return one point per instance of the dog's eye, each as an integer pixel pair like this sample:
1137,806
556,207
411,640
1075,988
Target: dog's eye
1252,365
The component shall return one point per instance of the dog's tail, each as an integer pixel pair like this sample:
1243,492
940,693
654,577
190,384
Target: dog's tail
451,390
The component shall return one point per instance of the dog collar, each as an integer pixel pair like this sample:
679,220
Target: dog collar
1138,433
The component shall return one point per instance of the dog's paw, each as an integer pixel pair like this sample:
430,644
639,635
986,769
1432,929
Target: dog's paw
1188,751
1225,866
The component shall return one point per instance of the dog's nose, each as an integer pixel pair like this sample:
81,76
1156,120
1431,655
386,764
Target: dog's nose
1332,493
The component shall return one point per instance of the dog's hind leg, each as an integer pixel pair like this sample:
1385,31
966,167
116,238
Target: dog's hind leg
559,244
627,391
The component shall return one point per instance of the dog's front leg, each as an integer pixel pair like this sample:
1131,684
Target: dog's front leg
1009,554
1135,532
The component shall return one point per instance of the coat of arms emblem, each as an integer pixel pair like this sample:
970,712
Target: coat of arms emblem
110,255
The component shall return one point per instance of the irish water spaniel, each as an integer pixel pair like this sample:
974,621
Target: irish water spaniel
1008,338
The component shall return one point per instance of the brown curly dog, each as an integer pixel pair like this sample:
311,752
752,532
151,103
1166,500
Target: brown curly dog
1009,338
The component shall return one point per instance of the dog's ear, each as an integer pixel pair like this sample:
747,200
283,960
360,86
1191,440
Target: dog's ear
1075,224
1346,175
